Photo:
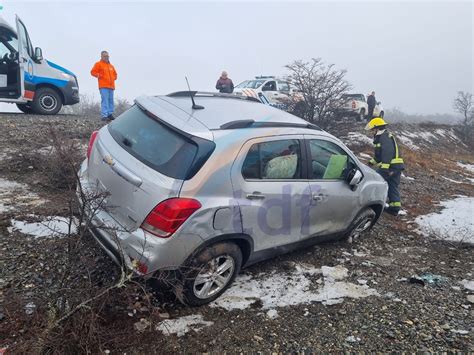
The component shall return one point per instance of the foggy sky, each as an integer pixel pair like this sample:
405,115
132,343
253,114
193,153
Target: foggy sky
415,55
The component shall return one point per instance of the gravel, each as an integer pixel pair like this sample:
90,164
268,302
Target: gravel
403,316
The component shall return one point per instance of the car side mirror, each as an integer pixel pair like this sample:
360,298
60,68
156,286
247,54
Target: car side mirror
354,177
38,54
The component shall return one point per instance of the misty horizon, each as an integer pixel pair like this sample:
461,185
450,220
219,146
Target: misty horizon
413,55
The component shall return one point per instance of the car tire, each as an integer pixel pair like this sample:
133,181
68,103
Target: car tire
361,115
362,223
25,108
47,101
200,275
381,114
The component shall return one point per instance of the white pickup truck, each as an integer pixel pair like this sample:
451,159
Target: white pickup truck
356,104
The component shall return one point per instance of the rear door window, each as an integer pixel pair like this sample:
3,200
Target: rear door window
154,144
273,160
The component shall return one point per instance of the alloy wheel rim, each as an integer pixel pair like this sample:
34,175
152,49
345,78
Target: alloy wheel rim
362,227
214,276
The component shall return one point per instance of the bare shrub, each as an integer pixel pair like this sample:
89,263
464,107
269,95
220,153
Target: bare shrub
60,161
70,316
320,89
464,105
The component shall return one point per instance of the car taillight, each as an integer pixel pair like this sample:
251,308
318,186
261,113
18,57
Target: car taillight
169,215
353,104
91,143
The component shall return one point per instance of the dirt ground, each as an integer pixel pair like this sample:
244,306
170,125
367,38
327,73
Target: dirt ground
402,315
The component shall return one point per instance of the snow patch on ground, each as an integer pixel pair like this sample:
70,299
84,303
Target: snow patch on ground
451,180
468,284
468,167
358,138
272,313
454,222
6,153
440,132
427,136
298,287
407,141
48,228
182,325
407,177
14,196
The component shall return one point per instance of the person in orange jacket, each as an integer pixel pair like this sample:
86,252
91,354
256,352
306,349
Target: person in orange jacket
106,73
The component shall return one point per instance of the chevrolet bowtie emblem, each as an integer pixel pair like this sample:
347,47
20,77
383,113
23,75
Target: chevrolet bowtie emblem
109,160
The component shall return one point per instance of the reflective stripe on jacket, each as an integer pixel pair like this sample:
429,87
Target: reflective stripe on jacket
387,155
106,74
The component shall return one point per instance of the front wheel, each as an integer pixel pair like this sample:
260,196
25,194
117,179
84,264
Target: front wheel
362,223
46,102
210,273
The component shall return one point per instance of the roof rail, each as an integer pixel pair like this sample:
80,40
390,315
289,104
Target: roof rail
252,124
265,77
211,94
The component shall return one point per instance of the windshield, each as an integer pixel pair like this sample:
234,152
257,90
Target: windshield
250,84
8,43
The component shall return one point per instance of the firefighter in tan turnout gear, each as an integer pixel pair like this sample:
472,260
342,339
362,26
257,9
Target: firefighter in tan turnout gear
388,162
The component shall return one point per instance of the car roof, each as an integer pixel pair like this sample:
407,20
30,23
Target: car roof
220,112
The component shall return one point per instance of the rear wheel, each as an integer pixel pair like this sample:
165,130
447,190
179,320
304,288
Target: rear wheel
210,273
381,114
361,116
46,102
362,223
25,108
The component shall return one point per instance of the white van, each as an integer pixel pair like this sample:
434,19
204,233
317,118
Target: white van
33,83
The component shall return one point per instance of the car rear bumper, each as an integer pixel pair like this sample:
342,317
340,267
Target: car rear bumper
137,250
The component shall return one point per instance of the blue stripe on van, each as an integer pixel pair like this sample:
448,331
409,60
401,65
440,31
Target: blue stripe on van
58,67
43,80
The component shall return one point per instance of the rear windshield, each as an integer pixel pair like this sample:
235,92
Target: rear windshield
156,145
358,97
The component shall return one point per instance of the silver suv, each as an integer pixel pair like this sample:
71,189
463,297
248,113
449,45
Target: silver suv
207,188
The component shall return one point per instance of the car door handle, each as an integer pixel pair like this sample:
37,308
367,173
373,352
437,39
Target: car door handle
255,196
319,197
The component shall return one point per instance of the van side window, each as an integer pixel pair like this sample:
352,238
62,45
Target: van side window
328,160
273,160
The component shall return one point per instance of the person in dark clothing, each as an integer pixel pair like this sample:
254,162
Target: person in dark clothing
225,84
371,102
388,162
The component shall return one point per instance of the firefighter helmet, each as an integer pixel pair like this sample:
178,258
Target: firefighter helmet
376,122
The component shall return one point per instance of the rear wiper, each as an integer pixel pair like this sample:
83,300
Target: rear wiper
127,142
